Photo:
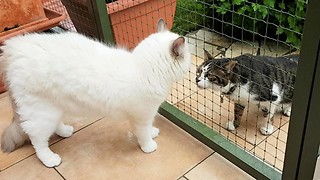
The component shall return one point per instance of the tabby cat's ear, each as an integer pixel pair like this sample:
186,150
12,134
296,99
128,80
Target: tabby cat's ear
207,55
230,65
162,25
177,46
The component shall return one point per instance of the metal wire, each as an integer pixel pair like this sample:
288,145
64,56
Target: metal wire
224,35
204,105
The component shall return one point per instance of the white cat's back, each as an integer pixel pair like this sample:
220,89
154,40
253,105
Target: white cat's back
63,50
68,67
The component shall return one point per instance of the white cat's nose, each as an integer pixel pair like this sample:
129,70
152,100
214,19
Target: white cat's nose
197,80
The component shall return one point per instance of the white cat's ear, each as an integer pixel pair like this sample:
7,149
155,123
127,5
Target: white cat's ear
207,55
162,26
177,46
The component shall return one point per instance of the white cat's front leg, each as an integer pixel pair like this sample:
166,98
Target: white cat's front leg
144,134
46,156
155,132
64,130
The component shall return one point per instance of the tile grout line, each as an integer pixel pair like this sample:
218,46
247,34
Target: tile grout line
269,135
238,136
184,175
17,162
55,168
99,119
184,178
1,170
184,98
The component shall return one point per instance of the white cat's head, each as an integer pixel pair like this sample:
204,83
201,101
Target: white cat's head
166,51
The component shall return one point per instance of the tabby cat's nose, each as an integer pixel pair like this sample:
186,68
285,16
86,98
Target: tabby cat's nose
197,80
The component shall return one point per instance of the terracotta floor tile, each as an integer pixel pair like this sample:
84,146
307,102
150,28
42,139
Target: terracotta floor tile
108,150
216,126
205,105
272,149
27,150
30,168
216,167
183,178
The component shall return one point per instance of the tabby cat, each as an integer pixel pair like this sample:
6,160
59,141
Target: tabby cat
261,80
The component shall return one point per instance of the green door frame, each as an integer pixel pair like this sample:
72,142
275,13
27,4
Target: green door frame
102,20
304,128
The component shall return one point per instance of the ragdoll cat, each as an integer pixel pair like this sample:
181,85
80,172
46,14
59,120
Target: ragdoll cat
261,80
49,75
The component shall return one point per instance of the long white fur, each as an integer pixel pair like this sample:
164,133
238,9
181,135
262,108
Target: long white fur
49,75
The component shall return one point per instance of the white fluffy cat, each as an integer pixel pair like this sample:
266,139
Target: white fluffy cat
49,75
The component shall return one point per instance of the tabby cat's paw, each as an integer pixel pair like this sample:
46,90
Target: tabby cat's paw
149,147
287,112
155,132
267,130
230,126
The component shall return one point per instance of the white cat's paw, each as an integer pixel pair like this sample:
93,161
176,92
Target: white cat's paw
51,160
266,130
287,112
65,131
230,126
155,132
149,147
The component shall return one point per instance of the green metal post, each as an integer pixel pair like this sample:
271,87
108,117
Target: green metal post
102,20
304,127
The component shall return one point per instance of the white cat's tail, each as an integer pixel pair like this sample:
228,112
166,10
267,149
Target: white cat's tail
13,136
3,64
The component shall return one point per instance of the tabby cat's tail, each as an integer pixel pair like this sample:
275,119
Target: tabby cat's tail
13,136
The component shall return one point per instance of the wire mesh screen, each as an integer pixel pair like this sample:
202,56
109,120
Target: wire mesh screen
56,5
231,29
225,29
133,20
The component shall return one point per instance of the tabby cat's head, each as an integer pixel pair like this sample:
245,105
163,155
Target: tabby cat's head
214,73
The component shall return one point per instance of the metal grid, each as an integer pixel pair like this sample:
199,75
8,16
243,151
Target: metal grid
133,20
56,5
225,29
227,32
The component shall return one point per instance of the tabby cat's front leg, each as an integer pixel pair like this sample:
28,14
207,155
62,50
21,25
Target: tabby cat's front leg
267,127
238,112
